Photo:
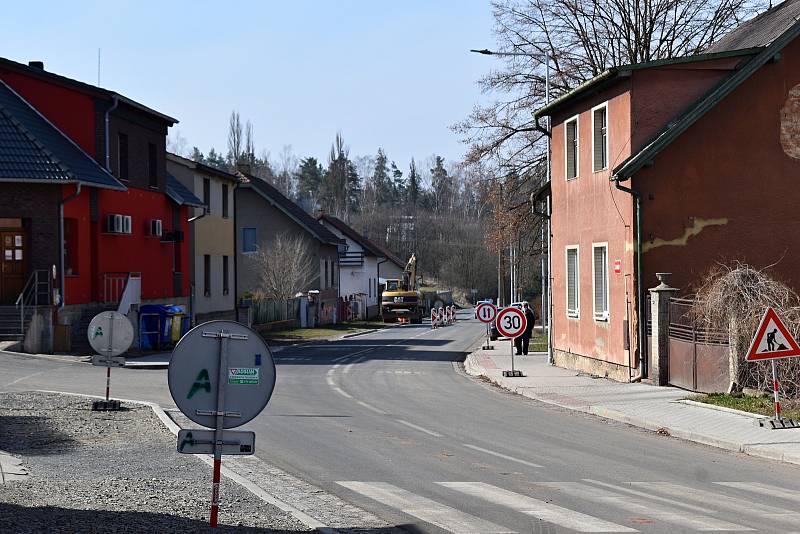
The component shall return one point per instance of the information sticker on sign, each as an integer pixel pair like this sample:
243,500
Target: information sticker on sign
243,375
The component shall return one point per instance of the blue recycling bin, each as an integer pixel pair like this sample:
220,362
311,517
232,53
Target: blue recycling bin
155,325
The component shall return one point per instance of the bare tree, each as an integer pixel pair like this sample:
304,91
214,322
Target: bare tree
286,267
249,153
582,38
235,138
177,143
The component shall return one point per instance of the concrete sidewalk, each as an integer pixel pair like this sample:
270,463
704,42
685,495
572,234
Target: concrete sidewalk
655,408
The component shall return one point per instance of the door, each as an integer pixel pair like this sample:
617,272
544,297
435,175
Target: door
13,256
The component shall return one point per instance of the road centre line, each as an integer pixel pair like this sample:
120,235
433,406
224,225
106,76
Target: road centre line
543,510
417,427
499,455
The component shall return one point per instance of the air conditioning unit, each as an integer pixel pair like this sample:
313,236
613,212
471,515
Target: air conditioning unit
114,223
127,224
156,228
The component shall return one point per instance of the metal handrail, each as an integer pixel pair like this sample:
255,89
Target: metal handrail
30,292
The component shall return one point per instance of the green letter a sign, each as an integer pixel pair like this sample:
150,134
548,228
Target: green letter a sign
201,382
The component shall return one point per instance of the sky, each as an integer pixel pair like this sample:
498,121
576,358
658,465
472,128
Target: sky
395,75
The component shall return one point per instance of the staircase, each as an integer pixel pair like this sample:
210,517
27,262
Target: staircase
11,328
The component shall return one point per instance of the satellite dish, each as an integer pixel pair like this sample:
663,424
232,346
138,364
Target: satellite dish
110,333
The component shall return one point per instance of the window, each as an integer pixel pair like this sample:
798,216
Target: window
333,273
249,240
571,147
225,286
369,283
573,301
152,165
122,157
600,137
224,201
600,280
325,280
207,194
207,275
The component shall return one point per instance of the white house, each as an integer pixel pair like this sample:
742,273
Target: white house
358,267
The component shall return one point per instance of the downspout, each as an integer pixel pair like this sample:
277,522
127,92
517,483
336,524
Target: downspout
192,285
642,333
235,255
545,215
108,141
61,239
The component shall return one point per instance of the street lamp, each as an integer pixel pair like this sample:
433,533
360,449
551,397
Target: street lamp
487,52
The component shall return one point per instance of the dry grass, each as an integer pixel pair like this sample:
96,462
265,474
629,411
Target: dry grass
734,298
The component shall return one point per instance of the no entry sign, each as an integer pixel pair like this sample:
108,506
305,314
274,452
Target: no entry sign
511,322
486,312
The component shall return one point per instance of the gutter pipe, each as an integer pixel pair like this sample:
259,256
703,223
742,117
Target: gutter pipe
642,333
108,141
61,238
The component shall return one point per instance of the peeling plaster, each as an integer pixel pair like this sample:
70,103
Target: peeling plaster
790,124
698,226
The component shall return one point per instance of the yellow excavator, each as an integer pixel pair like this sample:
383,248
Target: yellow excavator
401,300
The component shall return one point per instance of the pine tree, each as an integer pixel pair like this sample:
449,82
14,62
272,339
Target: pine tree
309,178
398,185
381,182
441,183
413,184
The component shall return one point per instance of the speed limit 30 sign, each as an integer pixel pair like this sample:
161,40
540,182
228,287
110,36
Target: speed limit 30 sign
511,322
486,312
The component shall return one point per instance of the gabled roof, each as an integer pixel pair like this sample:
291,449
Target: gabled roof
32,149
291,209
610,76
675,128
389,255
202,167
368,246
180,194
86,87
762,30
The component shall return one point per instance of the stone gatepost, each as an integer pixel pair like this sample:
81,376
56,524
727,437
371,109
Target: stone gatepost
659,315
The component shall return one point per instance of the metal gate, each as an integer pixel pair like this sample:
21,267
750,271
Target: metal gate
698,358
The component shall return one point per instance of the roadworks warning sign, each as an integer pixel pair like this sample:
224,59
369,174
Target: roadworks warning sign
772,340
243,375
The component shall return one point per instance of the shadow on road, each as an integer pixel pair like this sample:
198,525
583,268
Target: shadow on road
51,518
32,435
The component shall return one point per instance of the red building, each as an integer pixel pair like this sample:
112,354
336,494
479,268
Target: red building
671,166
113,207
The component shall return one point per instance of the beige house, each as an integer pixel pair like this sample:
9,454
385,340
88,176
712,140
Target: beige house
211,239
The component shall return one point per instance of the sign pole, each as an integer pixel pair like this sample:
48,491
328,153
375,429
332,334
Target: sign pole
775,391
513,372
220,421
108,355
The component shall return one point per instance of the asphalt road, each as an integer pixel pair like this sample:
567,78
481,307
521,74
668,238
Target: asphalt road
389,422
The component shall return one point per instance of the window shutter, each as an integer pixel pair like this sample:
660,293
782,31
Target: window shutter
599,124
572,281
600,282
571,132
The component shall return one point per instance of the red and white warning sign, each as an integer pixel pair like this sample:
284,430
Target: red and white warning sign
617,266
772,340
486,312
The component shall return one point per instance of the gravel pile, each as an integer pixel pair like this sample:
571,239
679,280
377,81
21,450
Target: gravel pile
112,472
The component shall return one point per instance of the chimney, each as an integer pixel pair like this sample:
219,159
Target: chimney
243,167
36,64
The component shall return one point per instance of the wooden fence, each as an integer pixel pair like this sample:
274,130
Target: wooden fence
265,311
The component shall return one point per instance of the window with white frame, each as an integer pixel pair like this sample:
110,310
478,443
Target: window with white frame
600,137
573,282
571,147
600,280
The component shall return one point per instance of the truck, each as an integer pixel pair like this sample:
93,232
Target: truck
402,300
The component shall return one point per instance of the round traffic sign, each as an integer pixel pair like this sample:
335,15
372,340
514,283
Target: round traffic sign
110,333
194,373
486,312
511,322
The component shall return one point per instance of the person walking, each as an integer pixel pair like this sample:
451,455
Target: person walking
531,320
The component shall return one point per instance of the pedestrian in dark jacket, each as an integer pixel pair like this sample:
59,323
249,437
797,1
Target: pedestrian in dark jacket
531,320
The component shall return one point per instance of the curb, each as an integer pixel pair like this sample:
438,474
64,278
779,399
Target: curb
722,409
356,334
759,450
173,427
